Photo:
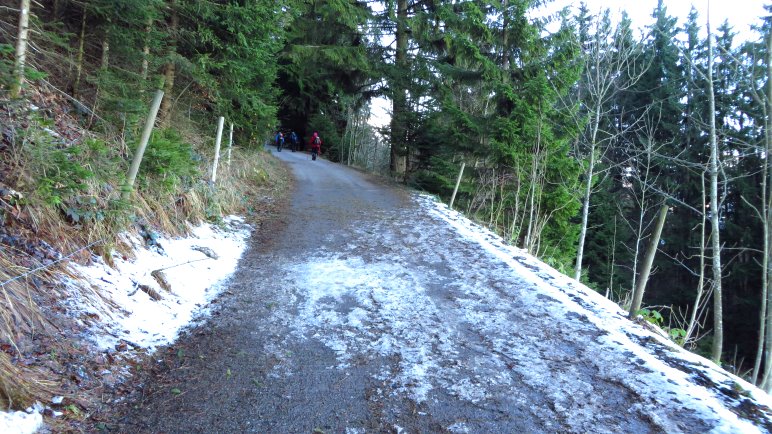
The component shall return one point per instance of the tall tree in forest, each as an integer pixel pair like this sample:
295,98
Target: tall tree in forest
715,235
694,147
170,65
647,118
325,68
765,100
612,63
754,63
21,48
232,52
399,147
531,136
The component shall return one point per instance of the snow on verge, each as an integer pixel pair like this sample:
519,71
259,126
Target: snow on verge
19,422
125,311
607,316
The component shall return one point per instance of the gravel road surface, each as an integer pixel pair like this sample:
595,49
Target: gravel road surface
355,310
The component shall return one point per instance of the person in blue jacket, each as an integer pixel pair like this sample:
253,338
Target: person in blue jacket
279,141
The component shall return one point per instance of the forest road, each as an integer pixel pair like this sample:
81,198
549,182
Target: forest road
356,311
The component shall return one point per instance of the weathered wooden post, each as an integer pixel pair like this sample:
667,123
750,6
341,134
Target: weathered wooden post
217,142
149,123
458,182
230,145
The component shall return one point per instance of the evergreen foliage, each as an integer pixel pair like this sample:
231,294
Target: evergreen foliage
472,81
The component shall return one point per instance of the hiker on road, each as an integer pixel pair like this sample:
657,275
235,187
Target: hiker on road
294,141
279,139
316,145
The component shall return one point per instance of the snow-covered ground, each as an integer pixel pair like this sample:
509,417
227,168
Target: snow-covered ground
122,303
470,318
19,422
463,316
680,379
117,311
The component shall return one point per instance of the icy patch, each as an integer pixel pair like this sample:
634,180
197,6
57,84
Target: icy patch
117,308
355,307
459,427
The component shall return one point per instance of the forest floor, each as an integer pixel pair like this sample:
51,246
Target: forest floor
362,307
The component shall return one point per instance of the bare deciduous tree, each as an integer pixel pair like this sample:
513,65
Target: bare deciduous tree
611,66
21,48
715,236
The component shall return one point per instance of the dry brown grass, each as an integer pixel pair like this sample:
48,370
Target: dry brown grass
19,313
251,176
19,387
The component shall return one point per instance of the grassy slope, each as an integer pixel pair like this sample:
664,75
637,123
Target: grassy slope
59,193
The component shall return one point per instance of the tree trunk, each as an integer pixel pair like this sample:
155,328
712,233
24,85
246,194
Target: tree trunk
715,238
21,49
79,65
146,53
399,97
692,325
648,261
764,276
170,67
766,384
585,216
610,288
505,36
587,193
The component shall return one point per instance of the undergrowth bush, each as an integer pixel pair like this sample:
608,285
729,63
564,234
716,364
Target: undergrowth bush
62,174
6,65
169,162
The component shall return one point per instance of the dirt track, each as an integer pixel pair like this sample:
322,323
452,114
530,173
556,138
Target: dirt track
355,311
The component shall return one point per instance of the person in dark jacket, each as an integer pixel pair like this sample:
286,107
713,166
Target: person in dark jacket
316,145
294,141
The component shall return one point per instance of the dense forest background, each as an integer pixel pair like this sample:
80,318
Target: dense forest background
631,160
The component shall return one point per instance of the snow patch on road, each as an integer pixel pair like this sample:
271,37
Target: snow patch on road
355,307
452,310
116,309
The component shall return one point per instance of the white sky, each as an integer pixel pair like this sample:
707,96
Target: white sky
740,13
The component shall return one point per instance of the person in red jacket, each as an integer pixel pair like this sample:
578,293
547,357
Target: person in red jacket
316,145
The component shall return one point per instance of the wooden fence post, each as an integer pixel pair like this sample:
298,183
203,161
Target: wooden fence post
217,142
458,181
230,145
149,123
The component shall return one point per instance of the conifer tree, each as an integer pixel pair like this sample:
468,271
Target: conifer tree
325,67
